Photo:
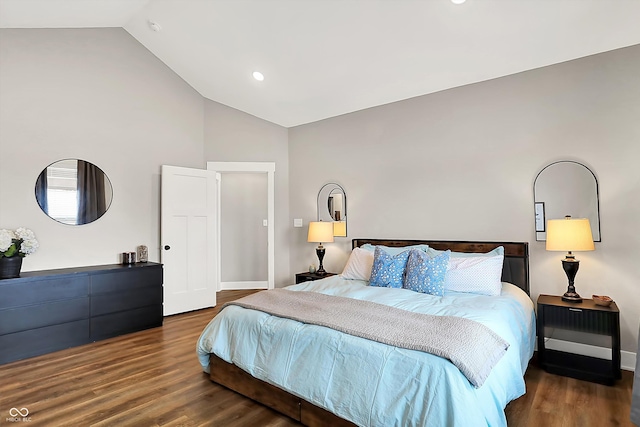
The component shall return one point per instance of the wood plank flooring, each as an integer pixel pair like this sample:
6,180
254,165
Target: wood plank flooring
153,378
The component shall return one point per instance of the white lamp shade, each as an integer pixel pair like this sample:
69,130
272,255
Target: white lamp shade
340,229
569,234
320,232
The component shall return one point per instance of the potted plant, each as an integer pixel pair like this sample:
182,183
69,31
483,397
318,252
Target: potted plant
15,245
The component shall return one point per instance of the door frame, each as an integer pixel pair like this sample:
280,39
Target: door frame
252,167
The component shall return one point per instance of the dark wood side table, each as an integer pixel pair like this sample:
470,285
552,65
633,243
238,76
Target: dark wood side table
581,317
310,277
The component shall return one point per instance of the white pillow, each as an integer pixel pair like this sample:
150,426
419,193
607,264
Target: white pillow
497,251
395,250
479,275
359,265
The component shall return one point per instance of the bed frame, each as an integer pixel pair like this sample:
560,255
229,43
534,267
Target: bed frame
515,270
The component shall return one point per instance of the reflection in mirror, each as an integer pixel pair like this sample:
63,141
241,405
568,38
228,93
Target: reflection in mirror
332,206
73,191
335,204
566,188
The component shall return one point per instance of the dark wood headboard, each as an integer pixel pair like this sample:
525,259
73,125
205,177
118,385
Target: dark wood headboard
516,254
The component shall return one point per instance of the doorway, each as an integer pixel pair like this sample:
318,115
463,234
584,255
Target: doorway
246,256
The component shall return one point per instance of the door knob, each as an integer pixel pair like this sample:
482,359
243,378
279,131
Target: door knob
167,247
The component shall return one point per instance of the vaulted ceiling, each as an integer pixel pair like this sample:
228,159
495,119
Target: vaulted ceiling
323,58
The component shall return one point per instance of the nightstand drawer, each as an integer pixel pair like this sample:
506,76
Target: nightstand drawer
578,319
310,277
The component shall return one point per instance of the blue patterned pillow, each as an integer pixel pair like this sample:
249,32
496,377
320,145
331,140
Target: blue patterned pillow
388,270
426,274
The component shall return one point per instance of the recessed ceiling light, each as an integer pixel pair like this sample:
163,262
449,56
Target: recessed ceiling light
258,76
154,26
458,1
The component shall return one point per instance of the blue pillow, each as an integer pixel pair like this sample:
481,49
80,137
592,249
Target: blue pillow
426,274
388,270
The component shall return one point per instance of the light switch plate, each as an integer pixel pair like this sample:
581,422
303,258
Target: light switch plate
297,222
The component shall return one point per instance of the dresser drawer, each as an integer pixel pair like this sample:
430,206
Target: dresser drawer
578,319
18,293
35,342
111,325
120,301
124,281
37,316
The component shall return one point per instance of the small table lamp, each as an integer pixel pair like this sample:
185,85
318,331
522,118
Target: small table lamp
569,235
319,232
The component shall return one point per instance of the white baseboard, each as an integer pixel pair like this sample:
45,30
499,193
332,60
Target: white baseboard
236,286
627,362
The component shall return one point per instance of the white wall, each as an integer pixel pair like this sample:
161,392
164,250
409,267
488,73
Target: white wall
460,165
97,95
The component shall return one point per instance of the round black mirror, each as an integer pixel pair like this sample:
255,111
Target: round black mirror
73,191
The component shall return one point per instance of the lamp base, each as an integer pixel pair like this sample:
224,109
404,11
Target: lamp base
571,297
570,266
320,252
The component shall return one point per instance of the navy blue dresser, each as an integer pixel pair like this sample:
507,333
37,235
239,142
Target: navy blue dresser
50,310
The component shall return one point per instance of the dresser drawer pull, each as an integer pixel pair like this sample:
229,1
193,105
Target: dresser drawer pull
575,309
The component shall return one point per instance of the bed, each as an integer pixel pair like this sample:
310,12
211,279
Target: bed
321,376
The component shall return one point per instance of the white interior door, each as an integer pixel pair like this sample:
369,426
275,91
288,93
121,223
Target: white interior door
188,238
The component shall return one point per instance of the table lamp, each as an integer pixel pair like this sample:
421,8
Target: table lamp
319,232
570,235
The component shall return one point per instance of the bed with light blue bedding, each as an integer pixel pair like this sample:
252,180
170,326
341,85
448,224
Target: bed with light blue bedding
374,384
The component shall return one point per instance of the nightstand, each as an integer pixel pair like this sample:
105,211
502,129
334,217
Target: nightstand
310,277
580,317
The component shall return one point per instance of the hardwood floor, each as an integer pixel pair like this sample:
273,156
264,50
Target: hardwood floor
556,401
153,378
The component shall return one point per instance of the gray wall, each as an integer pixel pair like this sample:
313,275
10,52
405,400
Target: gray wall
460,164
243,238
97,95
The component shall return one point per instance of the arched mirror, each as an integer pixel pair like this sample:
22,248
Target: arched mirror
566,188
73,191
332,206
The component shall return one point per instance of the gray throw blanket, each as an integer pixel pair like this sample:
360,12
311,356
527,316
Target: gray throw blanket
469,345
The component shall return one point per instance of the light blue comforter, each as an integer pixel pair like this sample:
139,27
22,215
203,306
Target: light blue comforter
373,384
